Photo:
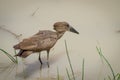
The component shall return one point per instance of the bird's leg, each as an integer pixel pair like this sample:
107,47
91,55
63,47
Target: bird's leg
48,58
40,58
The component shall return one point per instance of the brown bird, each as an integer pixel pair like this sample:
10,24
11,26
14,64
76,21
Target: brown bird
43,40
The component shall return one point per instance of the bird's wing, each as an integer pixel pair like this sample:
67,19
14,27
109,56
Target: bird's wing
37,41
29,44
49,41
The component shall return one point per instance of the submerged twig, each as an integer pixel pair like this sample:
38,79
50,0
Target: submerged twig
35,12
14,34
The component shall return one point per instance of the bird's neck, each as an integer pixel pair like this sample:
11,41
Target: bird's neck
60,34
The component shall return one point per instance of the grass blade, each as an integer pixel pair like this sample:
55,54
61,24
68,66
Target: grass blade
118,76
68,74
109,77
10,57
69,60
58,76
16,56
99,51
83,69
103,57
104,78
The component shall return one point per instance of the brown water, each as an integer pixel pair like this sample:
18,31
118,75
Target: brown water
98,22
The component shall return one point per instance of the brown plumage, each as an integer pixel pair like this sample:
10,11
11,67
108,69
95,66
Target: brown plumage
43,40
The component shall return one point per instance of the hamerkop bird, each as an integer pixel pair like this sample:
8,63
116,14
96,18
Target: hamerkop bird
43,40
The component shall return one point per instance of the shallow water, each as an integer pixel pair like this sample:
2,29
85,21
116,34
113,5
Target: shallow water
98,22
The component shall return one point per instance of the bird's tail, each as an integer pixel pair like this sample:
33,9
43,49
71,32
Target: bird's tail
23,53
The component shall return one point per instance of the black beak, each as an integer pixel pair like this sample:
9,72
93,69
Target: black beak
73,30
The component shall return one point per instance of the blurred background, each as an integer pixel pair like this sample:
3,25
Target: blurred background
97,21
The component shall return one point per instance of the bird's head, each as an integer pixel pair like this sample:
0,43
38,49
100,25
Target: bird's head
63,27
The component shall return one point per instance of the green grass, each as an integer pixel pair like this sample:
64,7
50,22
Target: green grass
58,76
118,76
16,56
68,74
114,77
69,61
99,50
14,60
103,59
